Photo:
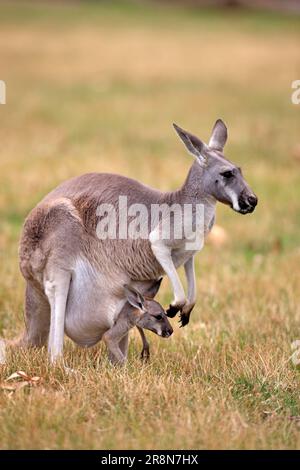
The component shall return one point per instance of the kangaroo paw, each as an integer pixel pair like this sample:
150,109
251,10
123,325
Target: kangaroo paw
172,310
184,319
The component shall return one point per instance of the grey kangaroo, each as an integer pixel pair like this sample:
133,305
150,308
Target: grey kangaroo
141,312
74,279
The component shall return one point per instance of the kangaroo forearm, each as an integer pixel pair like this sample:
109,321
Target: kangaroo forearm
189,268
164,257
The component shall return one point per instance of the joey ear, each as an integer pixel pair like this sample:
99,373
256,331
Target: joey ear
194,145
134,297
218,136
154,288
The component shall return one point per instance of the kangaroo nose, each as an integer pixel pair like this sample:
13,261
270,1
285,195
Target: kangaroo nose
168,333
252,200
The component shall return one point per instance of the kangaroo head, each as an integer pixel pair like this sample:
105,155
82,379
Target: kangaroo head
220,178
149,313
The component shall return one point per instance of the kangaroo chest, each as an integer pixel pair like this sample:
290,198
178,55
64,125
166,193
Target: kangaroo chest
189,246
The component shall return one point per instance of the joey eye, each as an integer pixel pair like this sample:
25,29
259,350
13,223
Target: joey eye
227,174
159,317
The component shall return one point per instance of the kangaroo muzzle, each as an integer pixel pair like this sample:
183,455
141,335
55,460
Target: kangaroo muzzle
247,202
166,333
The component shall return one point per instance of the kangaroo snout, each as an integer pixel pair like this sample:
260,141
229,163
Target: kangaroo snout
167,333
247,202
166,330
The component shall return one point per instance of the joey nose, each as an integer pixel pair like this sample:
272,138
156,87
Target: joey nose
252,200
168,332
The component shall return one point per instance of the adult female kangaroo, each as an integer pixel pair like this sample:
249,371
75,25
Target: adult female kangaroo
75,278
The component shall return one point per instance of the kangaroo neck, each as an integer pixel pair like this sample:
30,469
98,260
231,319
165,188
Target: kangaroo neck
194,189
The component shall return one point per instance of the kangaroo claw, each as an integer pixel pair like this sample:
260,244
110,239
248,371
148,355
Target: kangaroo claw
184,319
172,310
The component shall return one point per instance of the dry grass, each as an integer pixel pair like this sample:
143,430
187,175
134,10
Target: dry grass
92,88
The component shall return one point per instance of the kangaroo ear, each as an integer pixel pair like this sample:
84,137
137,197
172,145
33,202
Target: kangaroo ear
153,289
218,136
134,297
194,145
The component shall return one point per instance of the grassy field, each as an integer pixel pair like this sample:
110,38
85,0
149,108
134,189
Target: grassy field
96,88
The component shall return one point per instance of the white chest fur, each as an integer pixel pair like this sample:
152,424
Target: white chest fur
194,241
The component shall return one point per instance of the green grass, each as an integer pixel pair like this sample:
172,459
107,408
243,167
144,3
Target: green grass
95,87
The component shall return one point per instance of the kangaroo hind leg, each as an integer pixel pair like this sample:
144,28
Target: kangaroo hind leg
57,288
37,319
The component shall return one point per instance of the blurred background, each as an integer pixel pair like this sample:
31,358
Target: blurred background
96,86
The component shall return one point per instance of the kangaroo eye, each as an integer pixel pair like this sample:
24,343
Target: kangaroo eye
227,174
159,317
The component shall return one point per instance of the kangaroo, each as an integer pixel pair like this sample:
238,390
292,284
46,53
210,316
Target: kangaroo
74,278
139,311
